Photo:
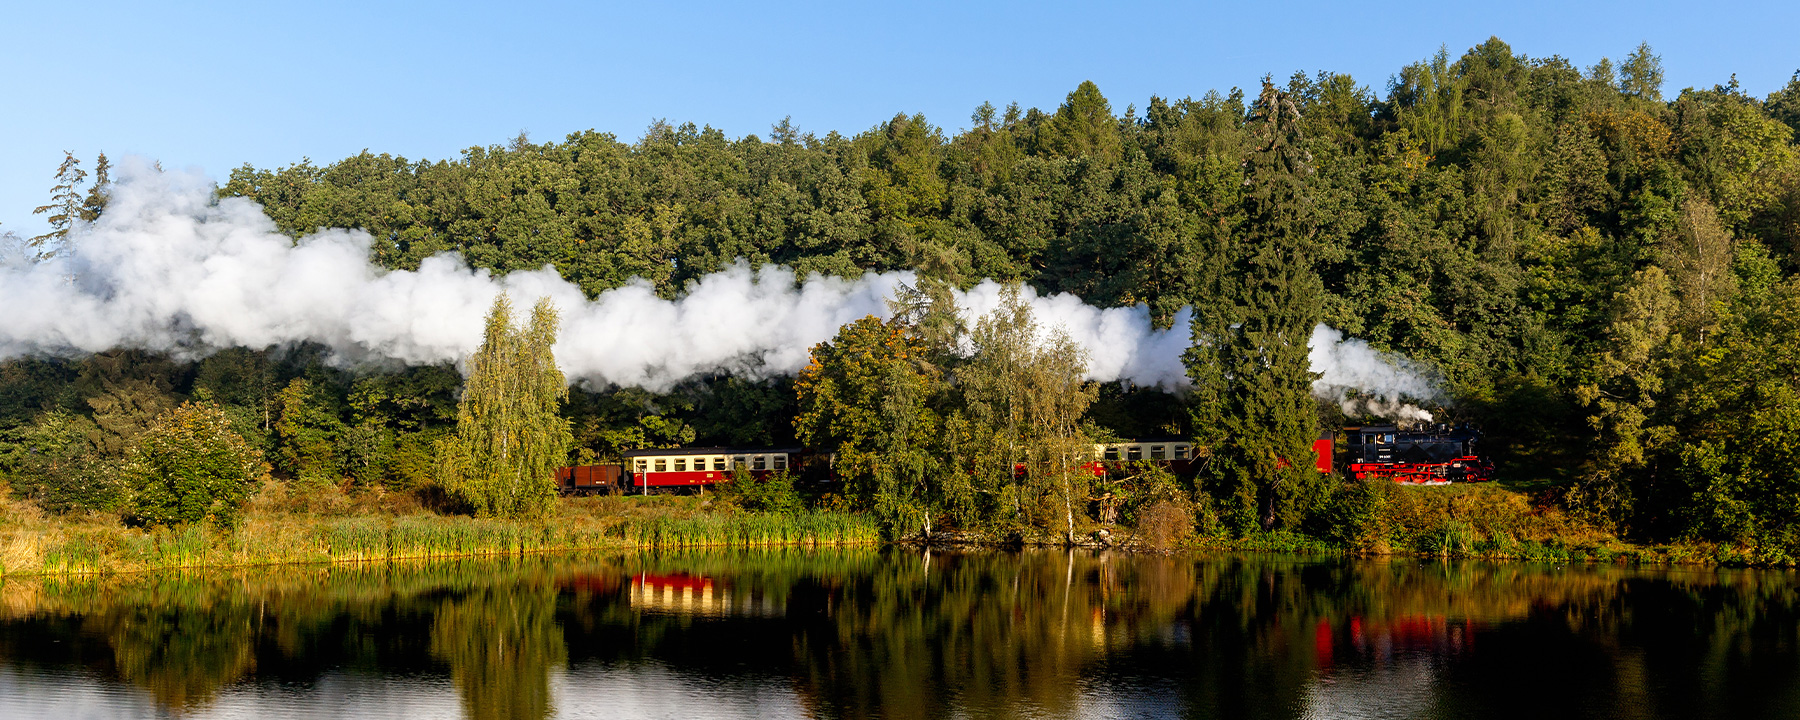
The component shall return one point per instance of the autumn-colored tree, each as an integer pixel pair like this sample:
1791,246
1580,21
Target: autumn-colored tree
864,397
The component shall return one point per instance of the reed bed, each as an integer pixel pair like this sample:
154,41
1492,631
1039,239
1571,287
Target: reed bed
93,547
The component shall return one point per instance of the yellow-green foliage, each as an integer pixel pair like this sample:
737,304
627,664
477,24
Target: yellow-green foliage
509,437
1472,521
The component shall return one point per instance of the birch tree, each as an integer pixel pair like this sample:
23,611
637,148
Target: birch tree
510,437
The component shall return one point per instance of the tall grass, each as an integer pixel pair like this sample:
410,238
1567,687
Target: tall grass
60,548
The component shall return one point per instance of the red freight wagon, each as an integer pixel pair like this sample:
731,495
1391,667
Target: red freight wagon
588,479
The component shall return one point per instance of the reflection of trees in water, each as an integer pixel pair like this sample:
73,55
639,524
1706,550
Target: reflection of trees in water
181,654
500,644
490,623
906,634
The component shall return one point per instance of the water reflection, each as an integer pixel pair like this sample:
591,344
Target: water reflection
501,643
896,633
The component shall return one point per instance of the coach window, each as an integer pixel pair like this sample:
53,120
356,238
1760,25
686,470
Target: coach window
680,464
1156,453
643,466
758,462
662,465
780,462
719,463
1181,452
1134,452
1112,452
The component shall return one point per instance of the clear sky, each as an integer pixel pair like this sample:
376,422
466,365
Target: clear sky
215,85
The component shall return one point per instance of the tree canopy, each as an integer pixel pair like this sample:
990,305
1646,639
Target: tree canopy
510,434
1598,265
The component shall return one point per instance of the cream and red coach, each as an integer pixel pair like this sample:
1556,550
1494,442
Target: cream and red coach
699,467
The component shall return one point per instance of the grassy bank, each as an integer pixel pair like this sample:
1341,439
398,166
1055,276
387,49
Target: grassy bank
276,532
1487,521
1475,521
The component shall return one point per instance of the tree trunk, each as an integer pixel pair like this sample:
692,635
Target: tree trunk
1268,505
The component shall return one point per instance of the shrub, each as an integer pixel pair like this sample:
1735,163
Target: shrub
770,493
1147,485
1452,539
189,467
1165,524
1353,516
54,464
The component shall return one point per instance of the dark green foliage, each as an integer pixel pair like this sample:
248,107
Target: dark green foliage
53,462
1352,516
1253,381
771,493
189,467
1522,225
1000,446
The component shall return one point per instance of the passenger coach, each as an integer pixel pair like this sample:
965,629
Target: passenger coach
699,467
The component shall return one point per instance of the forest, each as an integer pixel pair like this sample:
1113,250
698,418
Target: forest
1605,273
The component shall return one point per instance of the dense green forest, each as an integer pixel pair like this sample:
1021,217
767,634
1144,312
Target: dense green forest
1605,277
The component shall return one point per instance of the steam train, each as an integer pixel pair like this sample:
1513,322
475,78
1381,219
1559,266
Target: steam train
668,469
1424,455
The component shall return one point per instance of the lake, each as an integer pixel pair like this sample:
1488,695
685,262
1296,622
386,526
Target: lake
905,633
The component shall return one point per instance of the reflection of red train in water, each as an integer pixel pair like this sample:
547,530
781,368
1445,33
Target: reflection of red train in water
1383,640
1429,455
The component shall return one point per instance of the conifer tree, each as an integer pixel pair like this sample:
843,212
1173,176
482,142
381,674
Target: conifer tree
98,193
65,206
510,437
1254,406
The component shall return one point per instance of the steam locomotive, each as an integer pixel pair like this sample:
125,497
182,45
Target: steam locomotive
1422,455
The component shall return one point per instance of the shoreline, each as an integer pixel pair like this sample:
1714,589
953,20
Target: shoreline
1469,523
1276,544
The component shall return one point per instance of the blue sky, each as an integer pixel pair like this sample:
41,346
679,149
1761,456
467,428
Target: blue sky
216,85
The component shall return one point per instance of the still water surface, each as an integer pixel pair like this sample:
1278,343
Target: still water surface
901,633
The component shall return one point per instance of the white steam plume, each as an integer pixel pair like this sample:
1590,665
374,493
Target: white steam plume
1366,381
169,268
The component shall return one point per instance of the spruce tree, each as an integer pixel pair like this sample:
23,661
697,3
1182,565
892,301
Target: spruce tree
65,206
510,437
1253,404
100,192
